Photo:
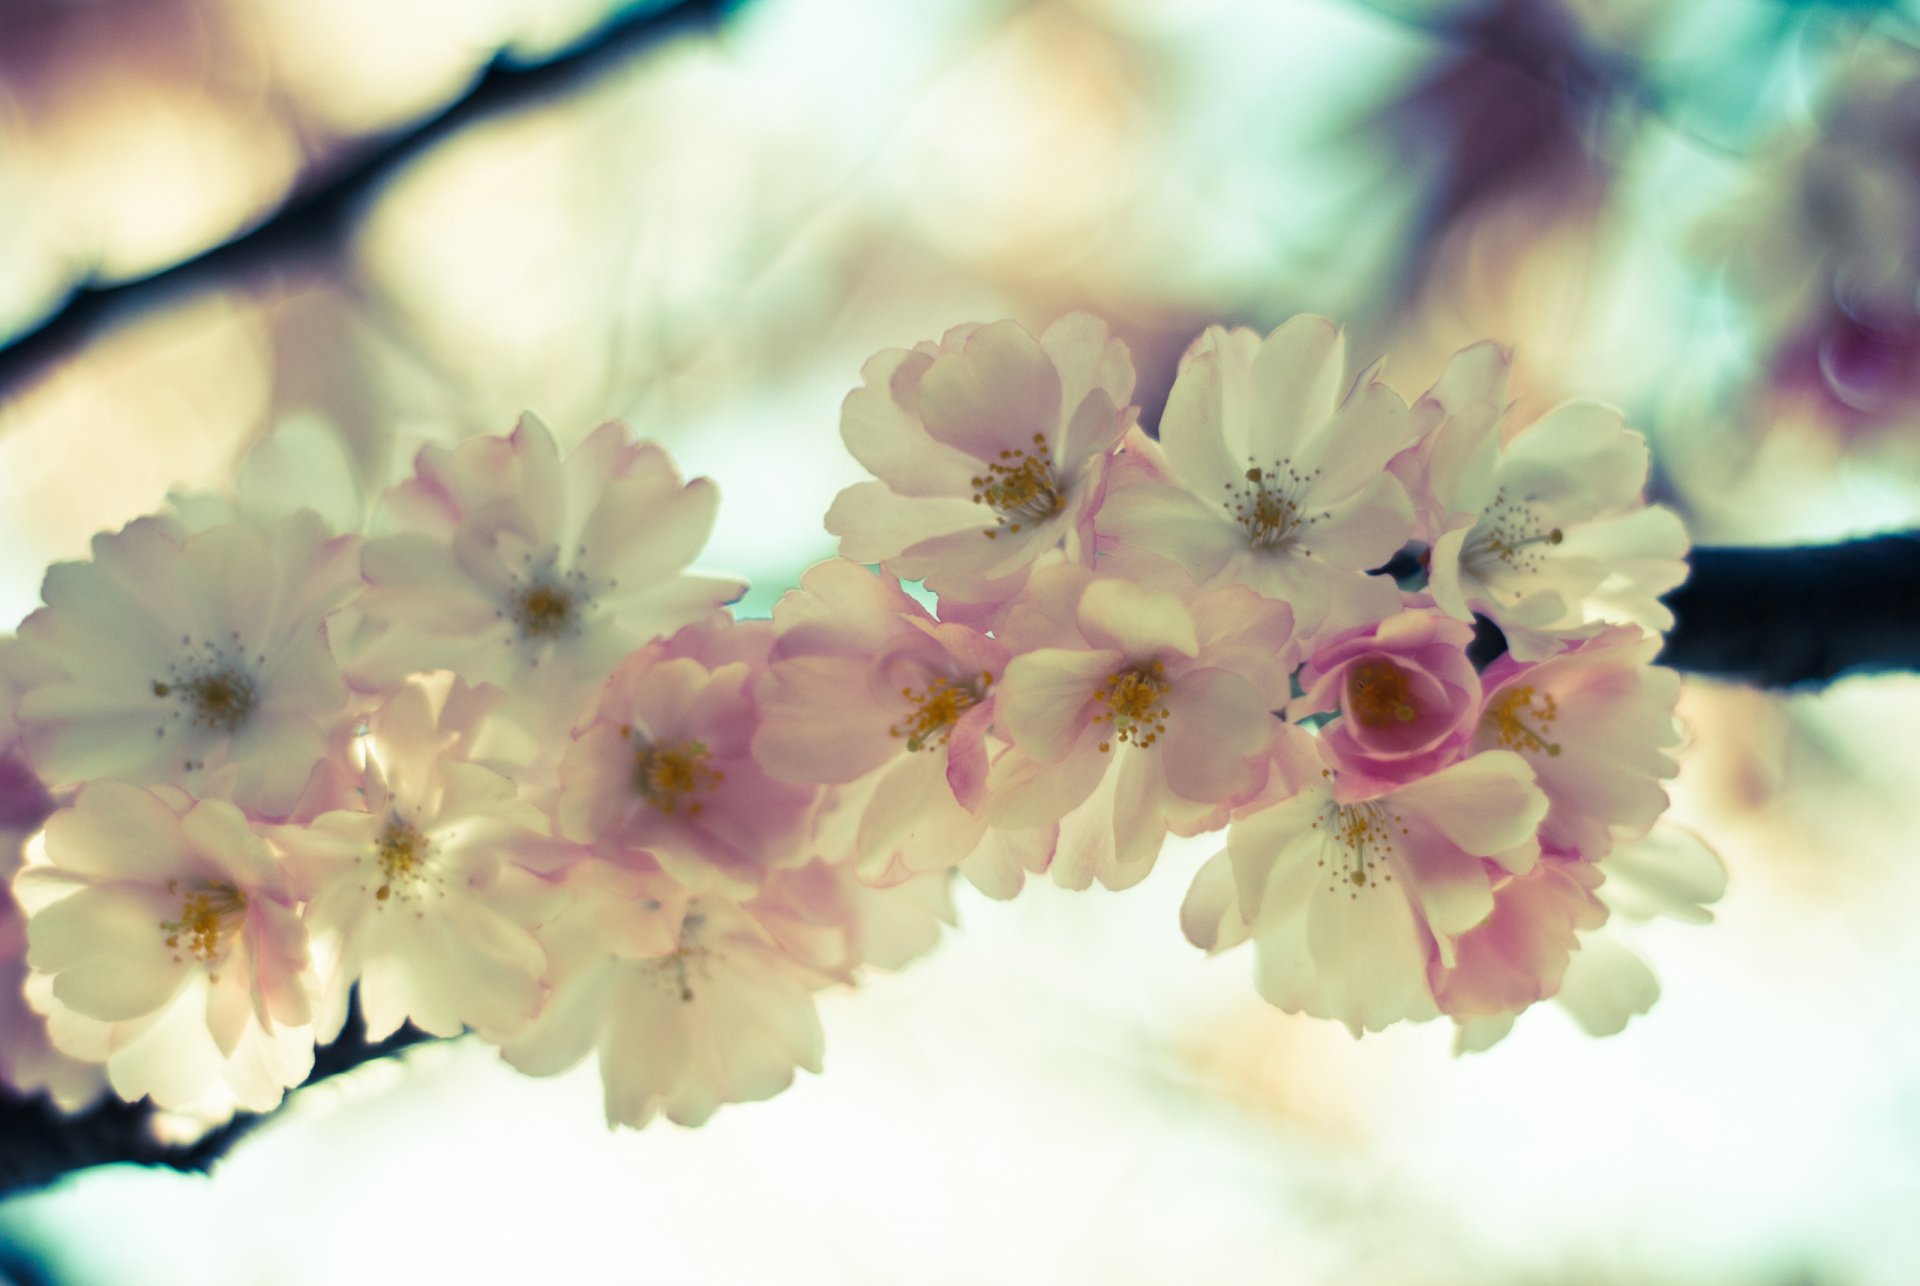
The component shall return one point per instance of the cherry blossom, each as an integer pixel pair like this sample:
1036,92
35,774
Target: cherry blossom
1596,724
1541,527
1670,874
1132,711
1519,954
410,896
201,660
689,1000
1271,473
175,954
663,763
1350,901
868,692
1406,694
509,564
990,451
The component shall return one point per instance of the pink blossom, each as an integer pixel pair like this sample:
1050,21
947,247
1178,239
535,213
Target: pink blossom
990,451
512,565
663,763
1541,527
1596,724
169,934
1271,473
1519,953
197,659
1349,901
1405,691
690,1002
1132,711
1671,874
409,895
867,691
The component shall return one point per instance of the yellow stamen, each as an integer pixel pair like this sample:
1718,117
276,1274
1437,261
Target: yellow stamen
1509,716
207,913
667,775
1135,701
1362,838
1269,507
1020,487
1378,694
402,853
936,708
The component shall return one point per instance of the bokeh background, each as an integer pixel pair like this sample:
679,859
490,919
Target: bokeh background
407,220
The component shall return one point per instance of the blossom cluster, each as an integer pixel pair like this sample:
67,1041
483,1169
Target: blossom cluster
485,755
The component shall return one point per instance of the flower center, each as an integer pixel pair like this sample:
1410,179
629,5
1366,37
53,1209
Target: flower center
1360,842
1269,504
208,912
547,604
1135,701
402,852
1020,487
1509,533
936,708
666,776
216,694
1510,715
1378,695
543,611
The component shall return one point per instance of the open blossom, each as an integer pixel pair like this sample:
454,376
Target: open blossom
991,450
663,763
1542,528
1604,984
167,927
1350,901
511,565
1405,692
1132,711
1596,724
867,691
1271,473
1519,954
409,896
689,1000
199,659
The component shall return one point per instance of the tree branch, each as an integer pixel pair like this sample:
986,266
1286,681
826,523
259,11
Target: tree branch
1799,617
40,1144
325,205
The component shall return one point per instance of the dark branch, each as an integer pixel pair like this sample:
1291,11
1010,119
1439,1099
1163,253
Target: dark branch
1799,617
326,205
39,1144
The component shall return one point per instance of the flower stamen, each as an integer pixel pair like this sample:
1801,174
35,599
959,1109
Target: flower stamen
1269,505
1510,713
402,852
207,913
1135,701
1378,694
665,776
936,708
1020,487
1361,841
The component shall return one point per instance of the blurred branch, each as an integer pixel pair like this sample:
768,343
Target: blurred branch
324,206
1799,617
40,1144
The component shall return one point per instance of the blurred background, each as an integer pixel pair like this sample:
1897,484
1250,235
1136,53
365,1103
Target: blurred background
407,220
